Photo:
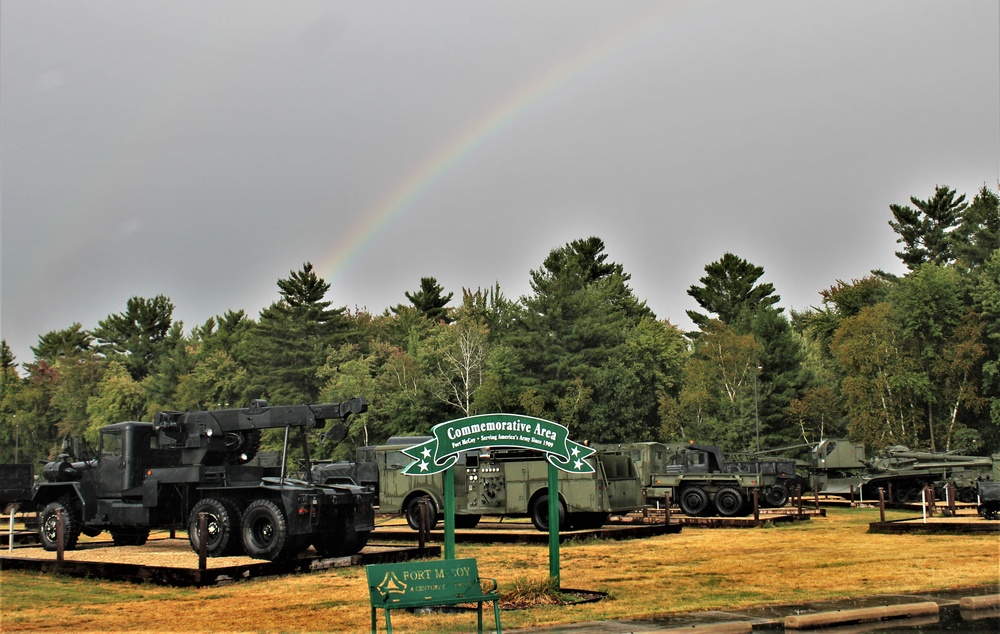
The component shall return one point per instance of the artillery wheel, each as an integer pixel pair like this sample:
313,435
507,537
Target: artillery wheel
129,536
221,527
48,525
693,501
729,502
466,521
776,496
966,494
412,511
540,513
265,532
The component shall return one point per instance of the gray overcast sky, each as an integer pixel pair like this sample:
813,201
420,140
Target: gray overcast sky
204,150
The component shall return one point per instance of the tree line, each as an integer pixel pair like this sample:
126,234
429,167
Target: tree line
885,360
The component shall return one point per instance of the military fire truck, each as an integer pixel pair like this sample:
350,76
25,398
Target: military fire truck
504,482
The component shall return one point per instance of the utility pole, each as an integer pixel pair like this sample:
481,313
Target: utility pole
756,408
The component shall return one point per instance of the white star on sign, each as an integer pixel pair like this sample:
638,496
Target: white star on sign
426,453
423,466
575,452
578,465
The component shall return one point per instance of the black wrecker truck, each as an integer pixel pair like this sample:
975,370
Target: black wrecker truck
167,473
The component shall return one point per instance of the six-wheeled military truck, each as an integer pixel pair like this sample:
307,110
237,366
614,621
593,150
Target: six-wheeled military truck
185,465
702,482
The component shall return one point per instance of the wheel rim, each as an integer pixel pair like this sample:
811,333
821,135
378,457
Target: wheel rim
728,502
49,527
694,501
263,531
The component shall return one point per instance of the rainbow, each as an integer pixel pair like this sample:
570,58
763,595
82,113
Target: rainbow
429,171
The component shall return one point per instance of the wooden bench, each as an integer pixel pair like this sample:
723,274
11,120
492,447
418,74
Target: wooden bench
428,583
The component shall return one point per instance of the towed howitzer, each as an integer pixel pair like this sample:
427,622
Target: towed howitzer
838,466
169,472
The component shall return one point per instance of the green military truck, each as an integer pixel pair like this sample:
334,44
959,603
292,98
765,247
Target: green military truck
702,482
514,482
506,482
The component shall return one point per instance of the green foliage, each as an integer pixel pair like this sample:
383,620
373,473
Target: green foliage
717,403
883,379
429,300
291,340
927,231
62,343
730,291
135,337
977,236
119,398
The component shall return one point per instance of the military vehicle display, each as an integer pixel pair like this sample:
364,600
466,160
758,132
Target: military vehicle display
836,466
170,472
506,482
702,482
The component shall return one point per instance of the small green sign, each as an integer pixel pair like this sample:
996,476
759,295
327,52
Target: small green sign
497,430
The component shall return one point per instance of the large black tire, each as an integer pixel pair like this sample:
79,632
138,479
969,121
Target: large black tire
776,497
48,522
265,532
412,511
729,502
466,521
694,501
129,536
540,514
222,527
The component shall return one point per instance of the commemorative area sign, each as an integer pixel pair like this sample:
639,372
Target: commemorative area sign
493,431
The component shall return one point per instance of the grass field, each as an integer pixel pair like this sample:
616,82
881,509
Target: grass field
824,558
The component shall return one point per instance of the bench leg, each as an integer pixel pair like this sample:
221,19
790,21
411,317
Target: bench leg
480,617
496,612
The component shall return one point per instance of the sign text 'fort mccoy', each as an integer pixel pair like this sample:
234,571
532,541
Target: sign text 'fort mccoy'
497,430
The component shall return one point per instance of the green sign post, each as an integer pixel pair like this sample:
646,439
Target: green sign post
449,439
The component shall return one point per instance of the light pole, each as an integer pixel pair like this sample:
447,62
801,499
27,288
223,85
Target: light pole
756,409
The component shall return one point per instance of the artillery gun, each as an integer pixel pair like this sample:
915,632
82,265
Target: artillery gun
836,466
183,465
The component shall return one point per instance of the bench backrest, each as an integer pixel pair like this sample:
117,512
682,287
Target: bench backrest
415,583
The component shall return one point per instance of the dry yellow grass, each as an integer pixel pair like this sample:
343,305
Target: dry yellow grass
694,570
